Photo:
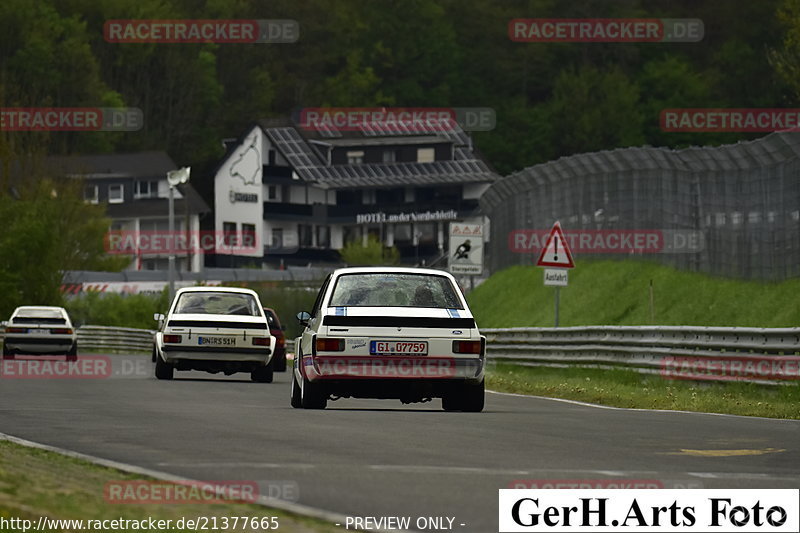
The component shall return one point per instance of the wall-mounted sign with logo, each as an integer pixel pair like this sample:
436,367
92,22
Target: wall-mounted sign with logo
249,197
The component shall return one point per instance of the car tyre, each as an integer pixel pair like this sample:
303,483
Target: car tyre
7,354
473,397
262,374
72,354
312,396
280,364
164,370
296,400
155,354
451,401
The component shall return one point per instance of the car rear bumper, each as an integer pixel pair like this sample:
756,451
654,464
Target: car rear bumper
402,368
34,345
173,354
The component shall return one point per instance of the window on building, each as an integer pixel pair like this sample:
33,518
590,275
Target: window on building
351,234
349,197
389,156
426,155
277,237
272,192
306,236
271,158
91,194
323,236
229,233
390,196
146,189
355,157
116,194
248,235
402,233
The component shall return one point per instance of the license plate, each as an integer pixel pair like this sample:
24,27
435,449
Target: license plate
38,331
216,341
398,348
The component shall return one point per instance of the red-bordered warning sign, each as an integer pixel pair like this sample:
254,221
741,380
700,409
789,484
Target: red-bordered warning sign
556,250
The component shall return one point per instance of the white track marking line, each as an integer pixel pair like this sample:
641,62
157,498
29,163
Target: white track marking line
265,501
612,408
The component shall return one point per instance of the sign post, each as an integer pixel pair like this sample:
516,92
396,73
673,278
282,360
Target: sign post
465,253
556,255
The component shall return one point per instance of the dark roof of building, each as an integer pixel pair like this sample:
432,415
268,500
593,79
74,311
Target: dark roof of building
138,164
294,145
159,207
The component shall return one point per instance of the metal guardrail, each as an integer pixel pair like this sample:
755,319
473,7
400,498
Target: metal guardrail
760,355
115,339
112,339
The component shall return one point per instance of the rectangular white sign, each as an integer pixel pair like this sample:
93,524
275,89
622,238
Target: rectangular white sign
466,248
556,276
658,510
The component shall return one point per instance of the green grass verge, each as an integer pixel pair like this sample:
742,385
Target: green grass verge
618,293
36,483
625,388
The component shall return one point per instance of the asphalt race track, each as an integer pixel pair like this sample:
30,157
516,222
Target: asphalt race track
381,458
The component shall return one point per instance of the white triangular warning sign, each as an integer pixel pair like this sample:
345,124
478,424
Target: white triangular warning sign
556,250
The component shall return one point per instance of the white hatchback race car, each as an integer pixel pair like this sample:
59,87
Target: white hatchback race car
214,329
40,330
380,332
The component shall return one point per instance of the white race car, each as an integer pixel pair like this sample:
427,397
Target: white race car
40,330
214,329
381,332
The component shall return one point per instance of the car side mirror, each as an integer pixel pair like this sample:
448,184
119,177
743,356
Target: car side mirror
303,317
158,317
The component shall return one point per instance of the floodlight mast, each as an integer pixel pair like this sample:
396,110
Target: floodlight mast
174,178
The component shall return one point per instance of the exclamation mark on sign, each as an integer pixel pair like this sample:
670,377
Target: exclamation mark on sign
555,255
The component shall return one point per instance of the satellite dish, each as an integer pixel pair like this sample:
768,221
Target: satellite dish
176,177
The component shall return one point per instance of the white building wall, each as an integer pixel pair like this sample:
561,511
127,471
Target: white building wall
241,173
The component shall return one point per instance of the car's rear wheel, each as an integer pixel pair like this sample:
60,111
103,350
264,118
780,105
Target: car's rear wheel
468,397
262,374
164,370
72,354
473,397
296,400
312,396
280,363
154,355
7,354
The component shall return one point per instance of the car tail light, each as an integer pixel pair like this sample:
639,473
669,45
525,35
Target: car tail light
467,347
330,345
261,341
16,330
172,338
281,341
61,331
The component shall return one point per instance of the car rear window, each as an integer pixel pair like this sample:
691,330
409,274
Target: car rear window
217,303
394,290
39,313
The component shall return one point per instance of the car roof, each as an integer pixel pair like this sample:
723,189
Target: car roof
39,308
392,270
239,290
